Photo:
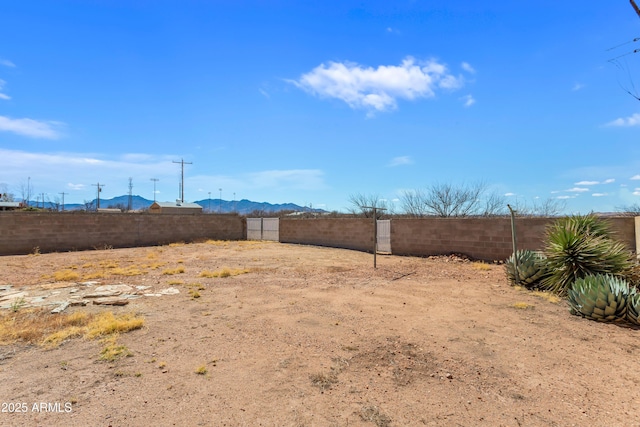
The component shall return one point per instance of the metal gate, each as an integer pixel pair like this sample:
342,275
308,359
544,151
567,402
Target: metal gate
271,229
384,235
254,228
263,229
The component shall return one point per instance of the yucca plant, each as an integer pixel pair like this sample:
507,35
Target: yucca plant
600,297
531,268
578,246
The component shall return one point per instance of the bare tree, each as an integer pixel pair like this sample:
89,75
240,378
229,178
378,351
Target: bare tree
544,208
26,189
361,204
413,203
631,210
494,204
55,204
89,205
5,196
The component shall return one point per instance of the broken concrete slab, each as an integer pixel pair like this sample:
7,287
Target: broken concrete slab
12,296
111,301
109,291
62,307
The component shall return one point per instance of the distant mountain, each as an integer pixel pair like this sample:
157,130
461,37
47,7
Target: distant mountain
242,207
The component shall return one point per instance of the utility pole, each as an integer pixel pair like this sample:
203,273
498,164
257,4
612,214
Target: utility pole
375,231
182,162
42,200
154,188
63,193
130,201
99,191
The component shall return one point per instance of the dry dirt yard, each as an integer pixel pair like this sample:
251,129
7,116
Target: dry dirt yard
313,336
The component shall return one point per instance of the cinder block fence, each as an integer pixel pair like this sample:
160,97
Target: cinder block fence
22,232
480,238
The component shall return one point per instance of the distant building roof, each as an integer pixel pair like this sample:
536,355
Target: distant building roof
9,205
175,207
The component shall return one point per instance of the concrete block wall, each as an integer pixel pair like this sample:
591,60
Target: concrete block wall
480,238
347,233
21,232
486,239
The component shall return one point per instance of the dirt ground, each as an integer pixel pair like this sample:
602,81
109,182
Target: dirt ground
313,336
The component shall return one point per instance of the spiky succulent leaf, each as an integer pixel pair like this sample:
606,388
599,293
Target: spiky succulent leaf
633,308
531,268
600,297
579,246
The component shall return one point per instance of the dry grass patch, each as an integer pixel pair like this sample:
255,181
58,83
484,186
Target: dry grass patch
38,326
108,264
96,275
113,351
482,266
552,298
225,272
66,276
129,271
523,305
172,271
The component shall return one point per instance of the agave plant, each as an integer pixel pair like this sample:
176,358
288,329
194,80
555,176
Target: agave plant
531,268
601,297
633,308
579,246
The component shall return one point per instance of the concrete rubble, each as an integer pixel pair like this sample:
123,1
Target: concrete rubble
61,295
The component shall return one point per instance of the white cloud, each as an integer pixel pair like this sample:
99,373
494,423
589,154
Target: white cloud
76,187
468,68
587,183
565,197
31,128
637,192
577,87
399,161
264,93
7,63
609,181
599,194
577,190
509,194
378,89
633,120
469,100
2,95
635,177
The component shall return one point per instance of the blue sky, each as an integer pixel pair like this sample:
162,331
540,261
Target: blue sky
311,102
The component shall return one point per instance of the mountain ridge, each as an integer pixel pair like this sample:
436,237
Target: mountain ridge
242,207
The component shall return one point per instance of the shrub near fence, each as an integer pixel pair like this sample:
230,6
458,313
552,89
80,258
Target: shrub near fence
21,232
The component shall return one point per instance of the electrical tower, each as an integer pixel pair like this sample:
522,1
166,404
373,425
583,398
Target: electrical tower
182,162
154,188
63,193
130,202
